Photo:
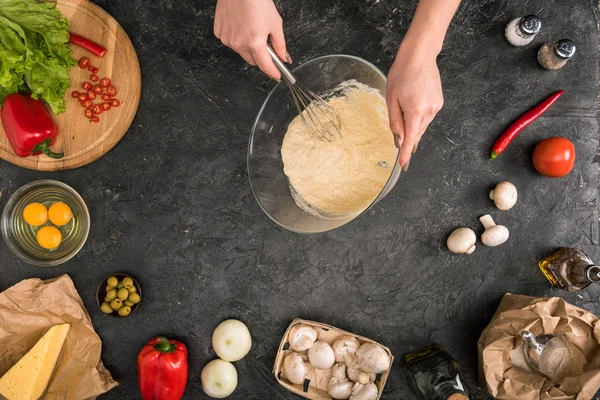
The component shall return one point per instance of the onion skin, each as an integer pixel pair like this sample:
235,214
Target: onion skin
221,372
231,340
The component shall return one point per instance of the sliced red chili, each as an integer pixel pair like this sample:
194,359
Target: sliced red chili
88,113
105,97
97,109
111,90
115,103
98,89
86,85
87,44
94,78
88,104
82,97
95,70
91,95
105,82
74,94
95,119
84,62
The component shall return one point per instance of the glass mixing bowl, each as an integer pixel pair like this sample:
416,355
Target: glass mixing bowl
265,166
20,237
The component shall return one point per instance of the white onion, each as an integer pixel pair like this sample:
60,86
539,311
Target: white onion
231,340
219,379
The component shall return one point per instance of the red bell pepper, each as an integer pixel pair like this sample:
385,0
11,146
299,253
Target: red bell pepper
28,125
162,369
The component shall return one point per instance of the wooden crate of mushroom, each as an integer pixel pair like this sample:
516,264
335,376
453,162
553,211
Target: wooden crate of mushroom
319,362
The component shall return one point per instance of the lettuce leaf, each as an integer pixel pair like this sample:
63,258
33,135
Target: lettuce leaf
34,52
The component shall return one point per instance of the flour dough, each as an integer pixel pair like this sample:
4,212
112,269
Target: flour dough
343,176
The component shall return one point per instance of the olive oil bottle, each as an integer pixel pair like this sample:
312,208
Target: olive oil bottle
570,269
434,375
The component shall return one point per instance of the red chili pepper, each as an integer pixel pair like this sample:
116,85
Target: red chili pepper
87,44
162,369
29,126
513,130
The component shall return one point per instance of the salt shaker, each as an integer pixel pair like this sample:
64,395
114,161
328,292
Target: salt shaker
521,31
554,55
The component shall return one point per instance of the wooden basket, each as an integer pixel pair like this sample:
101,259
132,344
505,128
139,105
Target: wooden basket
317,387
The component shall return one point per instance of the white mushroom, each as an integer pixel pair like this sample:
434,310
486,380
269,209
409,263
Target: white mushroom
296,369
372,358
339,385
302,337
494,235
462,241
355,373
321,355
364,392
344,345
504,195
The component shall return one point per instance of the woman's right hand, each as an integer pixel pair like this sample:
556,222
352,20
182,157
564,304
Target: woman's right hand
246,25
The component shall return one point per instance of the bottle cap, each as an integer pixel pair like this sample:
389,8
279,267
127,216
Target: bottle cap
564,49
592,273
530,24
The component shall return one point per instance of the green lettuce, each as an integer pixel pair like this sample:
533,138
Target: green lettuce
34,52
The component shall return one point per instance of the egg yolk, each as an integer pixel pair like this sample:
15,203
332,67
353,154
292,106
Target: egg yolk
49,237
60,214
35,214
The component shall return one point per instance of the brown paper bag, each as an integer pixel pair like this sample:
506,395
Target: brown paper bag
502,367
28,310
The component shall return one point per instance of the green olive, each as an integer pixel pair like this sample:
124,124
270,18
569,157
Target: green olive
124,311
111,294
132,289
106,308
109,288
116,304
123,294
128,303
134,298
112,281
120,285
127,282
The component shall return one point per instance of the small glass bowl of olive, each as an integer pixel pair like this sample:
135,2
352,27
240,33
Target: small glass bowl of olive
119,295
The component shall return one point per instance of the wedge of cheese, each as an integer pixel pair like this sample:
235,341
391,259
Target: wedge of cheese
29,377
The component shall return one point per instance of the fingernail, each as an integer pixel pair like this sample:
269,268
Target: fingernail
397,141
415,148
405,166
288,57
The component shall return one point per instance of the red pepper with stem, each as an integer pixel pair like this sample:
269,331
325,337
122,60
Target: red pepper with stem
513,130
162,369
28,125
87,44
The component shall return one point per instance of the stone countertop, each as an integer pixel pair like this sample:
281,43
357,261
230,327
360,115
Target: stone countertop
171,203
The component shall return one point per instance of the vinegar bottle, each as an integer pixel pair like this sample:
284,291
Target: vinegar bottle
570,269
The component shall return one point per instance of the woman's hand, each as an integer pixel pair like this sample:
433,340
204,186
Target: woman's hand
246,25
414,97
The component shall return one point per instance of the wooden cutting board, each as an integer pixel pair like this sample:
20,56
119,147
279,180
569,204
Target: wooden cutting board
81,140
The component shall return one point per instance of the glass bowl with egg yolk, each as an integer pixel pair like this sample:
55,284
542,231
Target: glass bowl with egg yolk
45,223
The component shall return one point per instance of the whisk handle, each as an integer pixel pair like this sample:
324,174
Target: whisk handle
286,74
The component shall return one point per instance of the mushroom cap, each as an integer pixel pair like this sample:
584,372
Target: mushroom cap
504,195
302,337
294,368
461,241
495,236
364,392
372,358
340,389
321,355
344,344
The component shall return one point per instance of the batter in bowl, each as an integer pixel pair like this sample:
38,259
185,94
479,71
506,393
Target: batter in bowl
343,176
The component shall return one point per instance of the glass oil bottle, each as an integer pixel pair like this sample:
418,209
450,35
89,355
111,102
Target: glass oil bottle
570,269
434,375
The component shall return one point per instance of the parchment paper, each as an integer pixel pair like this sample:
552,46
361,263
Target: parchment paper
28,310
511,379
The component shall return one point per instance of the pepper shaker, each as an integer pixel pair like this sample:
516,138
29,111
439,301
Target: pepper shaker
554,55
521,31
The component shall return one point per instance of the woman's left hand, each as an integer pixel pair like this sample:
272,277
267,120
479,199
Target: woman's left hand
414,97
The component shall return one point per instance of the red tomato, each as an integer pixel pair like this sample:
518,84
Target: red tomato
98,89
82,97
84,62
94,78
91,95
115,103
95,119
87,104
105,82
554,157
89,113
97,109
111,90
86,85
105,97
74,94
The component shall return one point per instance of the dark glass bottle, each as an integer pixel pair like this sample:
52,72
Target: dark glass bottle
434,375
570,269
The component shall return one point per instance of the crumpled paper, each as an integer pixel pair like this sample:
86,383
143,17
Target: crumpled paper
510,378
27,310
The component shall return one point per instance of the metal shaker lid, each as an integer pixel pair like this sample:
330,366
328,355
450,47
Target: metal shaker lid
564,49
530,24
592,273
